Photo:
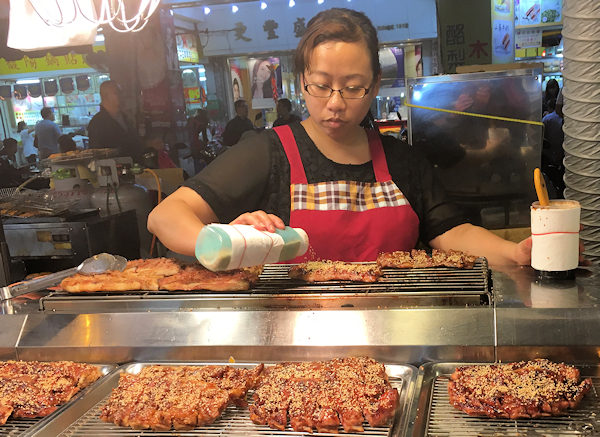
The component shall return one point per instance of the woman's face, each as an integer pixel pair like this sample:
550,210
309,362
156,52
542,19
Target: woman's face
236,91
337,65
263,73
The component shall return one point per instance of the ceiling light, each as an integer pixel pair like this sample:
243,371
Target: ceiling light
27,81
234,9
115,13
206,10
320,2
263,5
292,3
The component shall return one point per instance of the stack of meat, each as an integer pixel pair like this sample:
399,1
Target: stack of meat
36,389
325,394
180,397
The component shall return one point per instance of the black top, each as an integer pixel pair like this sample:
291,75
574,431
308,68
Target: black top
234,130
9,175
292,118
106,131
255,175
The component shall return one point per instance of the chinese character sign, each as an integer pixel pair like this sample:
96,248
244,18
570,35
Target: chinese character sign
465,36
279,28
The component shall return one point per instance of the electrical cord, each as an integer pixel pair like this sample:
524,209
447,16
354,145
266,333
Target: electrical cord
116,190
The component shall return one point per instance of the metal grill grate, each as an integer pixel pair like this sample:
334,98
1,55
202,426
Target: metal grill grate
274,280
445,420
234,421
16,427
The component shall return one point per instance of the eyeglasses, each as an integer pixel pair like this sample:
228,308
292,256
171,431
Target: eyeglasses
324,91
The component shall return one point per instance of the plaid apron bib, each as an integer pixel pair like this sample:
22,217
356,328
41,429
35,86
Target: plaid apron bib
349,220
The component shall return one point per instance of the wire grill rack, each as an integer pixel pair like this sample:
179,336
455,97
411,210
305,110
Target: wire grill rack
83,419
16,427
444,420
19,427
234,421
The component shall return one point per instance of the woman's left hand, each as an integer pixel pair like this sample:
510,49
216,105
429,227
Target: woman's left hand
522,254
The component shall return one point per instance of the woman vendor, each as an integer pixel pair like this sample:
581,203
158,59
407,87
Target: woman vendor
356,193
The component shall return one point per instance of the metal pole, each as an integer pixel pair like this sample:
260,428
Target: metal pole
4,259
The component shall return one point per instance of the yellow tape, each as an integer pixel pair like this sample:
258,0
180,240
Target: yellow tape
493,117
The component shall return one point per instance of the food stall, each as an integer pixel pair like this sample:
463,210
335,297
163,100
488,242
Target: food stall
406,320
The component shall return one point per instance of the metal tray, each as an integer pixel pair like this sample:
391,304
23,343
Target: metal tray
26,427
437,418
82,418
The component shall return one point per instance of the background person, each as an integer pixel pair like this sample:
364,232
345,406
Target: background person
284,113
155,142
552,149
47,133
10,176
550,95
66,144
238,124
329,152
28,149
110,127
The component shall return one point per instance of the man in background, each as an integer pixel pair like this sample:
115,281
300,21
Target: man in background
284,113
237,125
110,127
552,148
10,176
47,133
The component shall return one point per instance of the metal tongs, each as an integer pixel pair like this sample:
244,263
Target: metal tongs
96,264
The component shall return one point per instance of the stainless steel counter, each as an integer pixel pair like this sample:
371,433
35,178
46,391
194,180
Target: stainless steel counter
525,319
403,336
559,320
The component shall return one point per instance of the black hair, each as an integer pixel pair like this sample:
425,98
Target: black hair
46,112
66,144
286,103
239,103
337,24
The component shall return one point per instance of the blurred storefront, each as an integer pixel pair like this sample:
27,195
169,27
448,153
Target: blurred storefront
251,45
66,83
193,73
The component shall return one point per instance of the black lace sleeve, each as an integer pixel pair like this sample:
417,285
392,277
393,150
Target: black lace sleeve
415,177
235,182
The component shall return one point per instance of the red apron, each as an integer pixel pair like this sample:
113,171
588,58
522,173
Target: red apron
349,220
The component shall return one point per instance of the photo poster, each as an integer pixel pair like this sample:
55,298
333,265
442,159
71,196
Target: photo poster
239,78
413,61
392,67
503,32
266,83
537,13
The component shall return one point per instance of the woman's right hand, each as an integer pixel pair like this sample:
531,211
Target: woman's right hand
260,220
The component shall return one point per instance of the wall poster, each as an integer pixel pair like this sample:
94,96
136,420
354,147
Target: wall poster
265,79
